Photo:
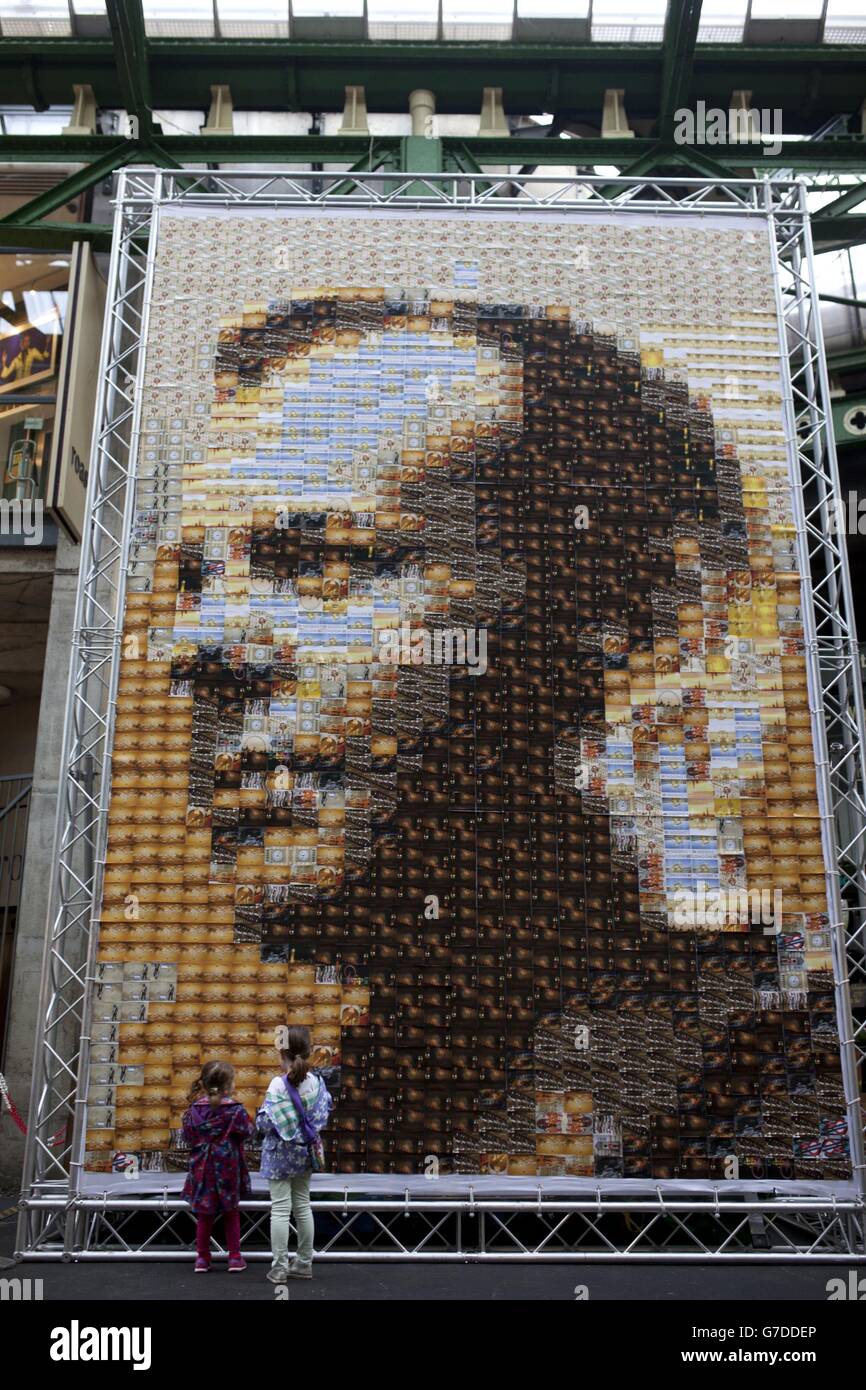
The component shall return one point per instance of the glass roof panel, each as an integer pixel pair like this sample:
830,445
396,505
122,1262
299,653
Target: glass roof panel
253,19
553,9
477,19
39,18
722,21
179,18
402,19
330,9
628,21
787,9
845,22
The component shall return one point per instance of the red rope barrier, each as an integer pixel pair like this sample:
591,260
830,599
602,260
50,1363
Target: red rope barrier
10,1105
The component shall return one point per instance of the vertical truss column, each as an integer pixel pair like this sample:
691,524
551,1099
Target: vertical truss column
56,1135
832,654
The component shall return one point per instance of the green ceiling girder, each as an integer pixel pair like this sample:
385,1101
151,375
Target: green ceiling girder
70,188
809,83
130,48
847,359
837,233
678,54
829,155
802,154
675,161
851,199
52,236
376,156
197,149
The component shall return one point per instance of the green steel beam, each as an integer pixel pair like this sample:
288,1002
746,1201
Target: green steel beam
838,299
463,162
810,84
847,359
118,154
800,154
129,44
839,155
691,160
70,188
195,149
377,154
52,236
647,162
676,161
851,199
420,155
678,55
838,233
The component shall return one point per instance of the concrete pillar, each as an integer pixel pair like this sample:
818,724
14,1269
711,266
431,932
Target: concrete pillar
39,859
220,117
493,121
83,120
614,121
355,113
422,108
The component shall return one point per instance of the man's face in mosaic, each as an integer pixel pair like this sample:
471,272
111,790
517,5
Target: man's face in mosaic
323,618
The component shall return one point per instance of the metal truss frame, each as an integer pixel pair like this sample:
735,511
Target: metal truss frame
59,1219
505,1229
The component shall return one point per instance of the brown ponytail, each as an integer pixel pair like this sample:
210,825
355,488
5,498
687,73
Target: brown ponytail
214,1081
295,1056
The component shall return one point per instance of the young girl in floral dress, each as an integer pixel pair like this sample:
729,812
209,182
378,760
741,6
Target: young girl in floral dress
216,1129
286,1153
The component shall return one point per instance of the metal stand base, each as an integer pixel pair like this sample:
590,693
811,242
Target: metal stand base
490,1230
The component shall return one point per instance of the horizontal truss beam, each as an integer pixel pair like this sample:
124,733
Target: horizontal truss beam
847,154
19,231
484,1230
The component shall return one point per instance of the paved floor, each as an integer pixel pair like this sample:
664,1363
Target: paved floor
371,1282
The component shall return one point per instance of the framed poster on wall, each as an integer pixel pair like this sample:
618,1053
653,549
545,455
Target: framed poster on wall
28,353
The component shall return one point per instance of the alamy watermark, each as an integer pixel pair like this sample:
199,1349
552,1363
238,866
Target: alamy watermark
728,907
847,515
16,1290
445,646
715,126
22,517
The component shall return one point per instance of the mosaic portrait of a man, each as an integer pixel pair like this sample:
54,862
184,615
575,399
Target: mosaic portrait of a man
462,648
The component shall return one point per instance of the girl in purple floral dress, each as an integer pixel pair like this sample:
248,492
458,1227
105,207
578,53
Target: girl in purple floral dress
286,1153
216,1129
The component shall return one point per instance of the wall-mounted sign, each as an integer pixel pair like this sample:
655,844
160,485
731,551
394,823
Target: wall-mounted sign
66,486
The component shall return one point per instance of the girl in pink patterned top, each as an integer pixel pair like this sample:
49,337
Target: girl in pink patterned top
216,1129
